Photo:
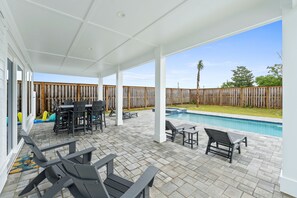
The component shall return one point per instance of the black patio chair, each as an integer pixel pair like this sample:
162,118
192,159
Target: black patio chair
95,116
52,170
61,120
229,141
68,102
175,130
78,117
88,183
103,106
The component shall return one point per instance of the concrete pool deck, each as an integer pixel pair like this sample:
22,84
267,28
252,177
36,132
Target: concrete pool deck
184,172
258,118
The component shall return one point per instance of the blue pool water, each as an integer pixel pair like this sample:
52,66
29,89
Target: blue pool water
261,127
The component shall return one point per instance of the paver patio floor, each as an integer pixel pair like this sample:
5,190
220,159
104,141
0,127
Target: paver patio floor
184,172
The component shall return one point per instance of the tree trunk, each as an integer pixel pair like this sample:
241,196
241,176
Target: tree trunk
197,90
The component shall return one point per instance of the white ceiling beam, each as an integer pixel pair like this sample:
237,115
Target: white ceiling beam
61,55
88,22
81,29
137,33
122,34
145,58
53,10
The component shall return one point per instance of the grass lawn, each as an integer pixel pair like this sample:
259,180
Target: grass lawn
272,113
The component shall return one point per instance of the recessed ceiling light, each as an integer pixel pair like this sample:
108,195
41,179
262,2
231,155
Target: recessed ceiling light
121,14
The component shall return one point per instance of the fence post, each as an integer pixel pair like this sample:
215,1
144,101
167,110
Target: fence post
267,93
129,98
42,97
171,98
241,99
203,95
106,98
220,97
181,93
78,92
145,97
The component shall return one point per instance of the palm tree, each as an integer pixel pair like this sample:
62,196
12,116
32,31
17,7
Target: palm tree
200,66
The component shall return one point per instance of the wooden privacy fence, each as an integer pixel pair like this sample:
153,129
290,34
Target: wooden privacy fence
141,97
260,97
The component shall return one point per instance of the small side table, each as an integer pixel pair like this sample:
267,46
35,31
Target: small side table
190,140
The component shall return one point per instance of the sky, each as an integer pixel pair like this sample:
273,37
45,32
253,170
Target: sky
256,49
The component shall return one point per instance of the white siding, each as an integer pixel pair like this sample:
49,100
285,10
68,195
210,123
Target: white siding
3,61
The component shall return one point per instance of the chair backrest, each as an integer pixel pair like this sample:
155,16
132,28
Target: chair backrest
79,108
170,126
39,158
38,155
55,106
68,102
86,179
103,105
218,136
97,108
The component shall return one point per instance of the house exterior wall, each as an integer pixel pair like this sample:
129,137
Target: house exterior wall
10,49
3,61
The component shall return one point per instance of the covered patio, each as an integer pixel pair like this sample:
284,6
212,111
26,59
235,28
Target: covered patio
184,172
99,38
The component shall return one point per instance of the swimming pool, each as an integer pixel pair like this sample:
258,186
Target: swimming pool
261,127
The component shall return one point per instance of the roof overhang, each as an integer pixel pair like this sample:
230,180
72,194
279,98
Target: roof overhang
92,38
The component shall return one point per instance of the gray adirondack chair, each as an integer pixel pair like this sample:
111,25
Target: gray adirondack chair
231,141
88,183
52,168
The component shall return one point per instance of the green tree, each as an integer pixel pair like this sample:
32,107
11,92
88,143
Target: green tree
200,66
227,84
274,77
242,77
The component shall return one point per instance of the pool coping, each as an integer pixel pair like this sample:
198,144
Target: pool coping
257,118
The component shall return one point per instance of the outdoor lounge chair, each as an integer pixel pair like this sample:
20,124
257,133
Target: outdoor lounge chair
52,170
176,129
126,114
220,138
88,183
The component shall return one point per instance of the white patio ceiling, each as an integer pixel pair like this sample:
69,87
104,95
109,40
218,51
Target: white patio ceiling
89,37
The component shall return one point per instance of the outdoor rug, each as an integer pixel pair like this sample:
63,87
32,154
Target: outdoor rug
22,164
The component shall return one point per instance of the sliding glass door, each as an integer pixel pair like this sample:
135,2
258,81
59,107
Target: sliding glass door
19,100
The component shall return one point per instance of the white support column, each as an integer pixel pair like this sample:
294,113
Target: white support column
100,88
119,97
288,178
160,96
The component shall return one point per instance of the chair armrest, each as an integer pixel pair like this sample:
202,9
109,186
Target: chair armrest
71,143
104,161
85,152
50,163
79,153
145,180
